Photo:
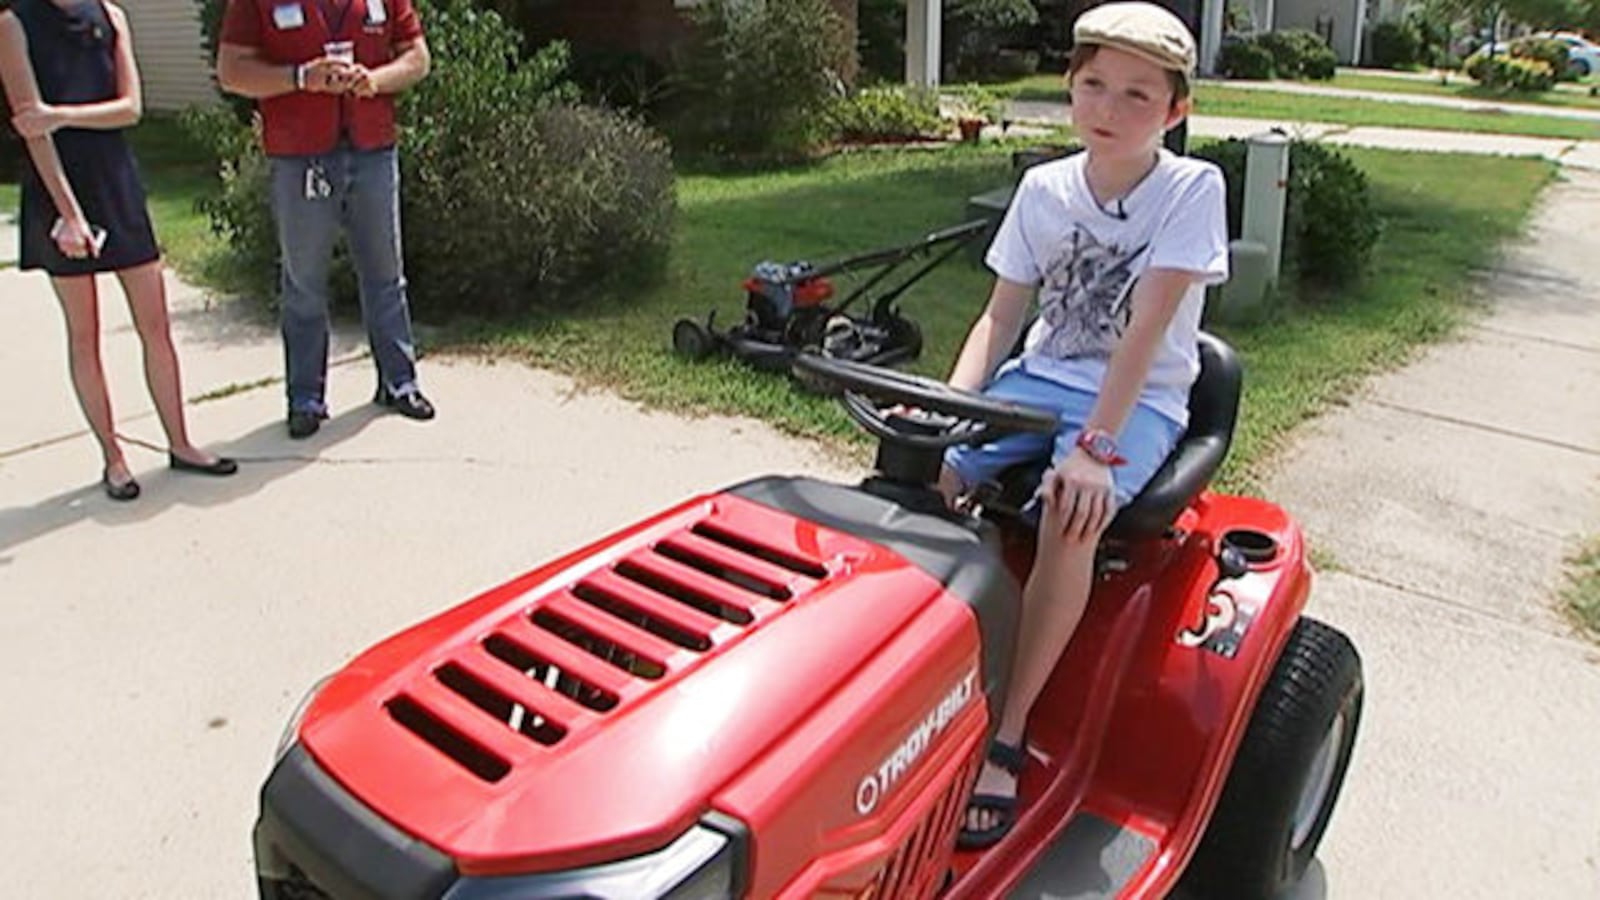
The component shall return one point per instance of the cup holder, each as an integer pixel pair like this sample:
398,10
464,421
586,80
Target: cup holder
1258,548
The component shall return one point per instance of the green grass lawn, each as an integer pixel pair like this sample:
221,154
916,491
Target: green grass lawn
1462,87
1583,589
1313,354
1216,99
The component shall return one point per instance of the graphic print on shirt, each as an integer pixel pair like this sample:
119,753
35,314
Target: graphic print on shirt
1084,296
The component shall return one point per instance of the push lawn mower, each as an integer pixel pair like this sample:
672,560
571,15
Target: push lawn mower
786,689
788,308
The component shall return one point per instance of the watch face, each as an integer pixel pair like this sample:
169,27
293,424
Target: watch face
1099,445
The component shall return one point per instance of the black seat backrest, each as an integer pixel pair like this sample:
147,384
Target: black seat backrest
1213,410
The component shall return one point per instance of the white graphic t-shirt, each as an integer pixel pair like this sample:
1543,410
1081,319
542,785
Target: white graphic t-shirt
1085,258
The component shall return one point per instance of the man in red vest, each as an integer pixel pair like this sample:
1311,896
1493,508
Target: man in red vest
324,74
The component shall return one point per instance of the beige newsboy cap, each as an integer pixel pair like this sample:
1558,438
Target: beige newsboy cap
1143,29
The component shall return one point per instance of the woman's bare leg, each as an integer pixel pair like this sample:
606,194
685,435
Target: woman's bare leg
80,305
147,301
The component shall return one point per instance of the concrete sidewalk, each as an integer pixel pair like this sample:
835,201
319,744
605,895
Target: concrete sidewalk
1447,495
1489,107
1576,154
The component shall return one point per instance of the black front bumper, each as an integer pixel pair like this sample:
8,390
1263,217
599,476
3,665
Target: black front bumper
314,837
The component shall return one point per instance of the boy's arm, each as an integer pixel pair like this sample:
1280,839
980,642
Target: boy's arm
16,73
1080,489
993,335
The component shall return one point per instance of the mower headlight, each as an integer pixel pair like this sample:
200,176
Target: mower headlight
706,863
292,728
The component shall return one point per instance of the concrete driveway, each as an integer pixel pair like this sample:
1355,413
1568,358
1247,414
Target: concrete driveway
152,650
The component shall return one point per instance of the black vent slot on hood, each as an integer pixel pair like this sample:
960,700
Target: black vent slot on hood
517,717
416,719
598,646
684,594
548,674
760,551
639,618
717,570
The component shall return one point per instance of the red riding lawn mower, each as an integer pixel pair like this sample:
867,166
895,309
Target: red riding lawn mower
786,689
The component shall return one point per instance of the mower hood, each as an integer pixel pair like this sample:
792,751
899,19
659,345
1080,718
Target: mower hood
594,708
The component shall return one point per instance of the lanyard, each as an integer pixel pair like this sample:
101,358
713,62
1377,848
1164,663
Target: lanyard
329,9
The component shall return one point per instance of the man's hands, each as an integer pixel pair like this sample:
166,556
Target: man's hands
327,75
1078,495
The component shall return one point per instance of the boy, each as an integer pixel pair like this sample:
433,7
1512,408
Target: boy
1119,243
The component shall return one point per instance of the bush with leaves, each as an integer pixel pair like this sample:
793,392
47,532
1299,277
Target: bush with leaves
755,82
1551,52
1502,72
1330,226
888,112
974,31
513,199
1298,53
1395,44
1246,59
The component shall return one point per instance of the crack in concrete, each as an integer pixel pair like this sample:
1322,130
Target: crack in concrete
1538,339
1486,427
1459,606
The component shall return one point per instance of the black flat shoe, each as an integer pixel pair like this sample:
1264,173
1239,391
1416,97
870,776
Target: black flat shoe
303,424
122,493
222,466
412,405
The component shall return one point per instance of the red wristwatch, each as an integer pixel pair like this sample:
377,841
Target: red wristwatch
1100,446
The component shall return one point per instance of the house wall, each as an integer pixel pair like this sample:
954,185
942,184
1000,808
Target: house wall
172,62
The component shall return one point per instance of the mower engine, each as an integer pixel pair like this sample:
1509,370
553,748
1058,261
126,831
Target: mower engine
774,691
774,291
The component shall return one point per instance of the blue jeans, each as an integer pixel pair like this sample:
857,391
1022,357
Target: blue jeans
358,191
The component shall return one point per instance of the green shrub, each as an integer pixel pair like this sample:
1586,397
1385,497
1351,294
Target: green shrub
1510,73
619,78
1246,59
1394,45
1298,53
887,113
756,81
975,30
1552,53
513,199
1330,226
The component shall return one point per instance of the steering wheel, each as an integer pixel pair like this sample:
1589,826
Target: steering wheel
970,417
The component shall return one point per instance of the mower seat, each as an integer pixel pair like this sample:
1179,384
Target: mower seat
1213,409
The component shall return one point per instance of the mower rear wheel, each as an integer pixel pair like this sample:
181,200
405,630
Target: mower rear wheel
692,340
1287,774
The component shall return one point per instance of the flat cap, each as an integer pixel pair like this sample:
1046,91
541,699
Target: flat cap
1143,29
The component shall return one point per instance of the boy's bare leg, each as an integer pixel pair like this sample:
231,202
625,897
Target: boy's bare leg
1053,603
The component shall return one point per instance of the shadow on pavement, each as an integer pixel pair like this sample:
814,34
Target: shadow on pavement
265,455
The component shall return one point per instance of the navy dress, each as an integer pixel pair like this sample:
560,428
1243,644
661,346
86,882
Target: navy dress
74,56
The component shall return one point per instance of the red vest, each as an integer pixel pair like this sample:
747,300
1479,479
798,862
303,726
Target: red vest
306,124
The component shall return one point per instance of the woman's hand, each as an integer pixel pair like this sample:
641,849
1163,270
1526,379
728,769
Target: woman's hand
39,120
75,239
1079,493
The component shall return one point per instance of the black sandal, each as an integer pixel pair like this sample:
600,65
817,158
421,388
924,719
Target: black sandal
1012,759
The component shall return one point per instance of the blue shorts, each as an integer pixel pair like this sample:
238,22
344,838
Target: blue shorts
1146,438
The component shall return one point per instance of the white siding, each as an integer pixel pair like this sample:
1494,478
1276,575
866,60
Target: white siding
172,61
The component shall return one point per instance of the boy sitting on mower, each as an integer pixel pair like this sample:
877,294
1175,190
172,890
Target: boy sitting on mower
1118,243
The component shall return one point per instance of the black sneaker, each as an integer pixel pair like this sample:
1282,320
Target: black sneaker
411,405
303,424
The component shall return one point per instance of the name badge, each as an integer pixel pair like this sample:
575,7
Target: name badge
288,16
376,14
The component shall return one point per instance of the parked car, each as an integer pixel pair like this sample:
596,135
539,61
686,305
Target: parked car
1583,56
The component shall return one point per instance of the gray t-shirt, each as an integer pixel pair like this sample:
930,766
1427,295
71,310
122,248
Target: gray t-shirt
1084,259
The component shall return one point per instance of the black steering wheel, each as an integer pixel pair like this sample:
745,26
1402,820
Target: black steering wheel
871,394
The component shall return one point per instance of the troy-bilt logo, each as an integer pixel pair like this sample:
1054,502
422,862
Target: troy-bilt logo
877,784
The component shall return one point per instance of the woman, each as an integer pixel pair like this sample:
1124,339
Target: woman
70,76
